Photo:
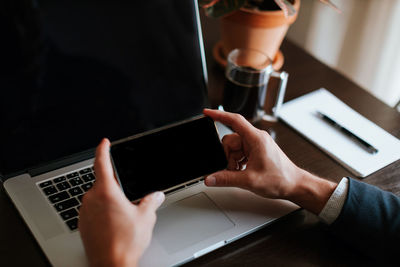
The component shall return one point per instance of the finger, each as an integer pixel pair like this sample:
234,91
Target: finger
232,142
152,202
102,164
238,123
227,178
232,164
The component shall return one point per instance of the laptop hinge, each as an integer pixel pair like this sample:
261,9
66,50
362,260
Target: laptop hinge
75,158
53,165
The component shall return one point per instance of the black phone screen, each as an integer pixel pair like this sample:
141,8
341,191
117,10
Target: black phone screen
165,158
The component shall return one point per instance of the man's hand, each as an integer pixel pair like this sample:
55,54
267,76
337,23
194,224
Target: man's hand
114,231
256,163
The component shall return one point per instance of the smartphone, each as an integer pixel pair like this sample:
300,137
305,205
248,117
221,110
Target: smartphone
168,158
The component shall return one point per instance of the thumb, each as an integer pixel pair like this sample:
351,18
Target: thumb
152,201
102,164
227,178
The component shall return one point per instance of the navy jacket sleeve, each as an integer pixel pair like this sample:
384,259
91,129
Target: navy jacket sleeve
370,221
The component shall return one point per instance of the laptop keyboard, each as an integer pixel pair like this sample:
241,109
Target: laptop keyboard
65,194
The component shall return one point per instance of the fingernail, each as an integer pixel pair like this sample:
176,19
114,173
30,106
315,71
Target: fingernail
159,197
210,181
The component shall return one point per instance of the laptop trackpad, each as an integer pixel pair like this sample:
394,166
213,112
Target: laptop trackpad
188,221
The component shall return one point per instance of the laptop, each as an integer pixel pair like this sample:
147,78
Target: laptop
77,71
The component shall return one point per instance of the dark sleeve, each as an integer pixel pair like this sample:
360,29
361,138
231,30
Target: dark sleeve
370,221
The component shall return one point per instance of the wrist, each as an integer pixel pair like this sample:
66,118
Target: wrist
126,258
115,259
310,192
127,261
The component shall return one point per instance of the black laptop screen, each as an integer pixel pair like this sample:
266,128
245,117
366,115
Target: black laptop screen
74,71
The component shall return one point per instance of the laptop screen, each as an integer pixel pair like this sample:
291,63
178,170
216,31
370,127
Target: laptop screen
75,71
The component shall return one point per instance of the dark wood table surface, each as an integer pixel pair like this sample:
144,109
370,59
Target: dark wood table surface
296,240
300,239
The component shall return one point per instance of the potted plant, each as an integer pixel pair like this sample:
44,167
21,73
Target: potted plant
255,24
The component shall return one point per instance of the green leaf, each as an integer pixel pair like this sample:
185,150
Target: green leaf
224,7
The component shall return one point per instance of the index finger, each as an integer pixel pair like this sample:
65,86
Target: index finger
237,122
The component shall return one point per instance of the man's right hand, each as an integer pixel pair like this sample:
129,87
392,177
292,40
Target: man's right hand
256,163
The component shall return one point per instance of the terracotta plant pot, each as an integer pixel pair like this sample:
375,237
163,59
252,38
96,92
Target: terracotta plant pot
260,30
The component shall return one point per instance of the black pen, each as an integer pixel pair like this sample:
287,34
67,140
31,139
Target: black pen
368,147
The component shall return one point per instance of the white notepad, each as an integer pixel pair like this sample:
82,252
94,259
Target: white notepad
300,113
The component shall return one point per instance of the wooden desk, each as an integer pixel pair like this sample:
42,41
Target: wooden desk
300,239
296,240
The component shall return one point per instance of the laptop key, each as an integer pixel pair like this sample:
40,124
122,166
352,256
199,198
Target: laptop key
66,204
88,177
86,186
80,198
72,224
84,171
58,197
75,181
59,179
68,214
75,191
63,185
45,184
50,190
72,175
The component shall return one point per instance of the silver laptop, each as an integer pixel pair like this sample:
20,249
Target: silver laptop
110,69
